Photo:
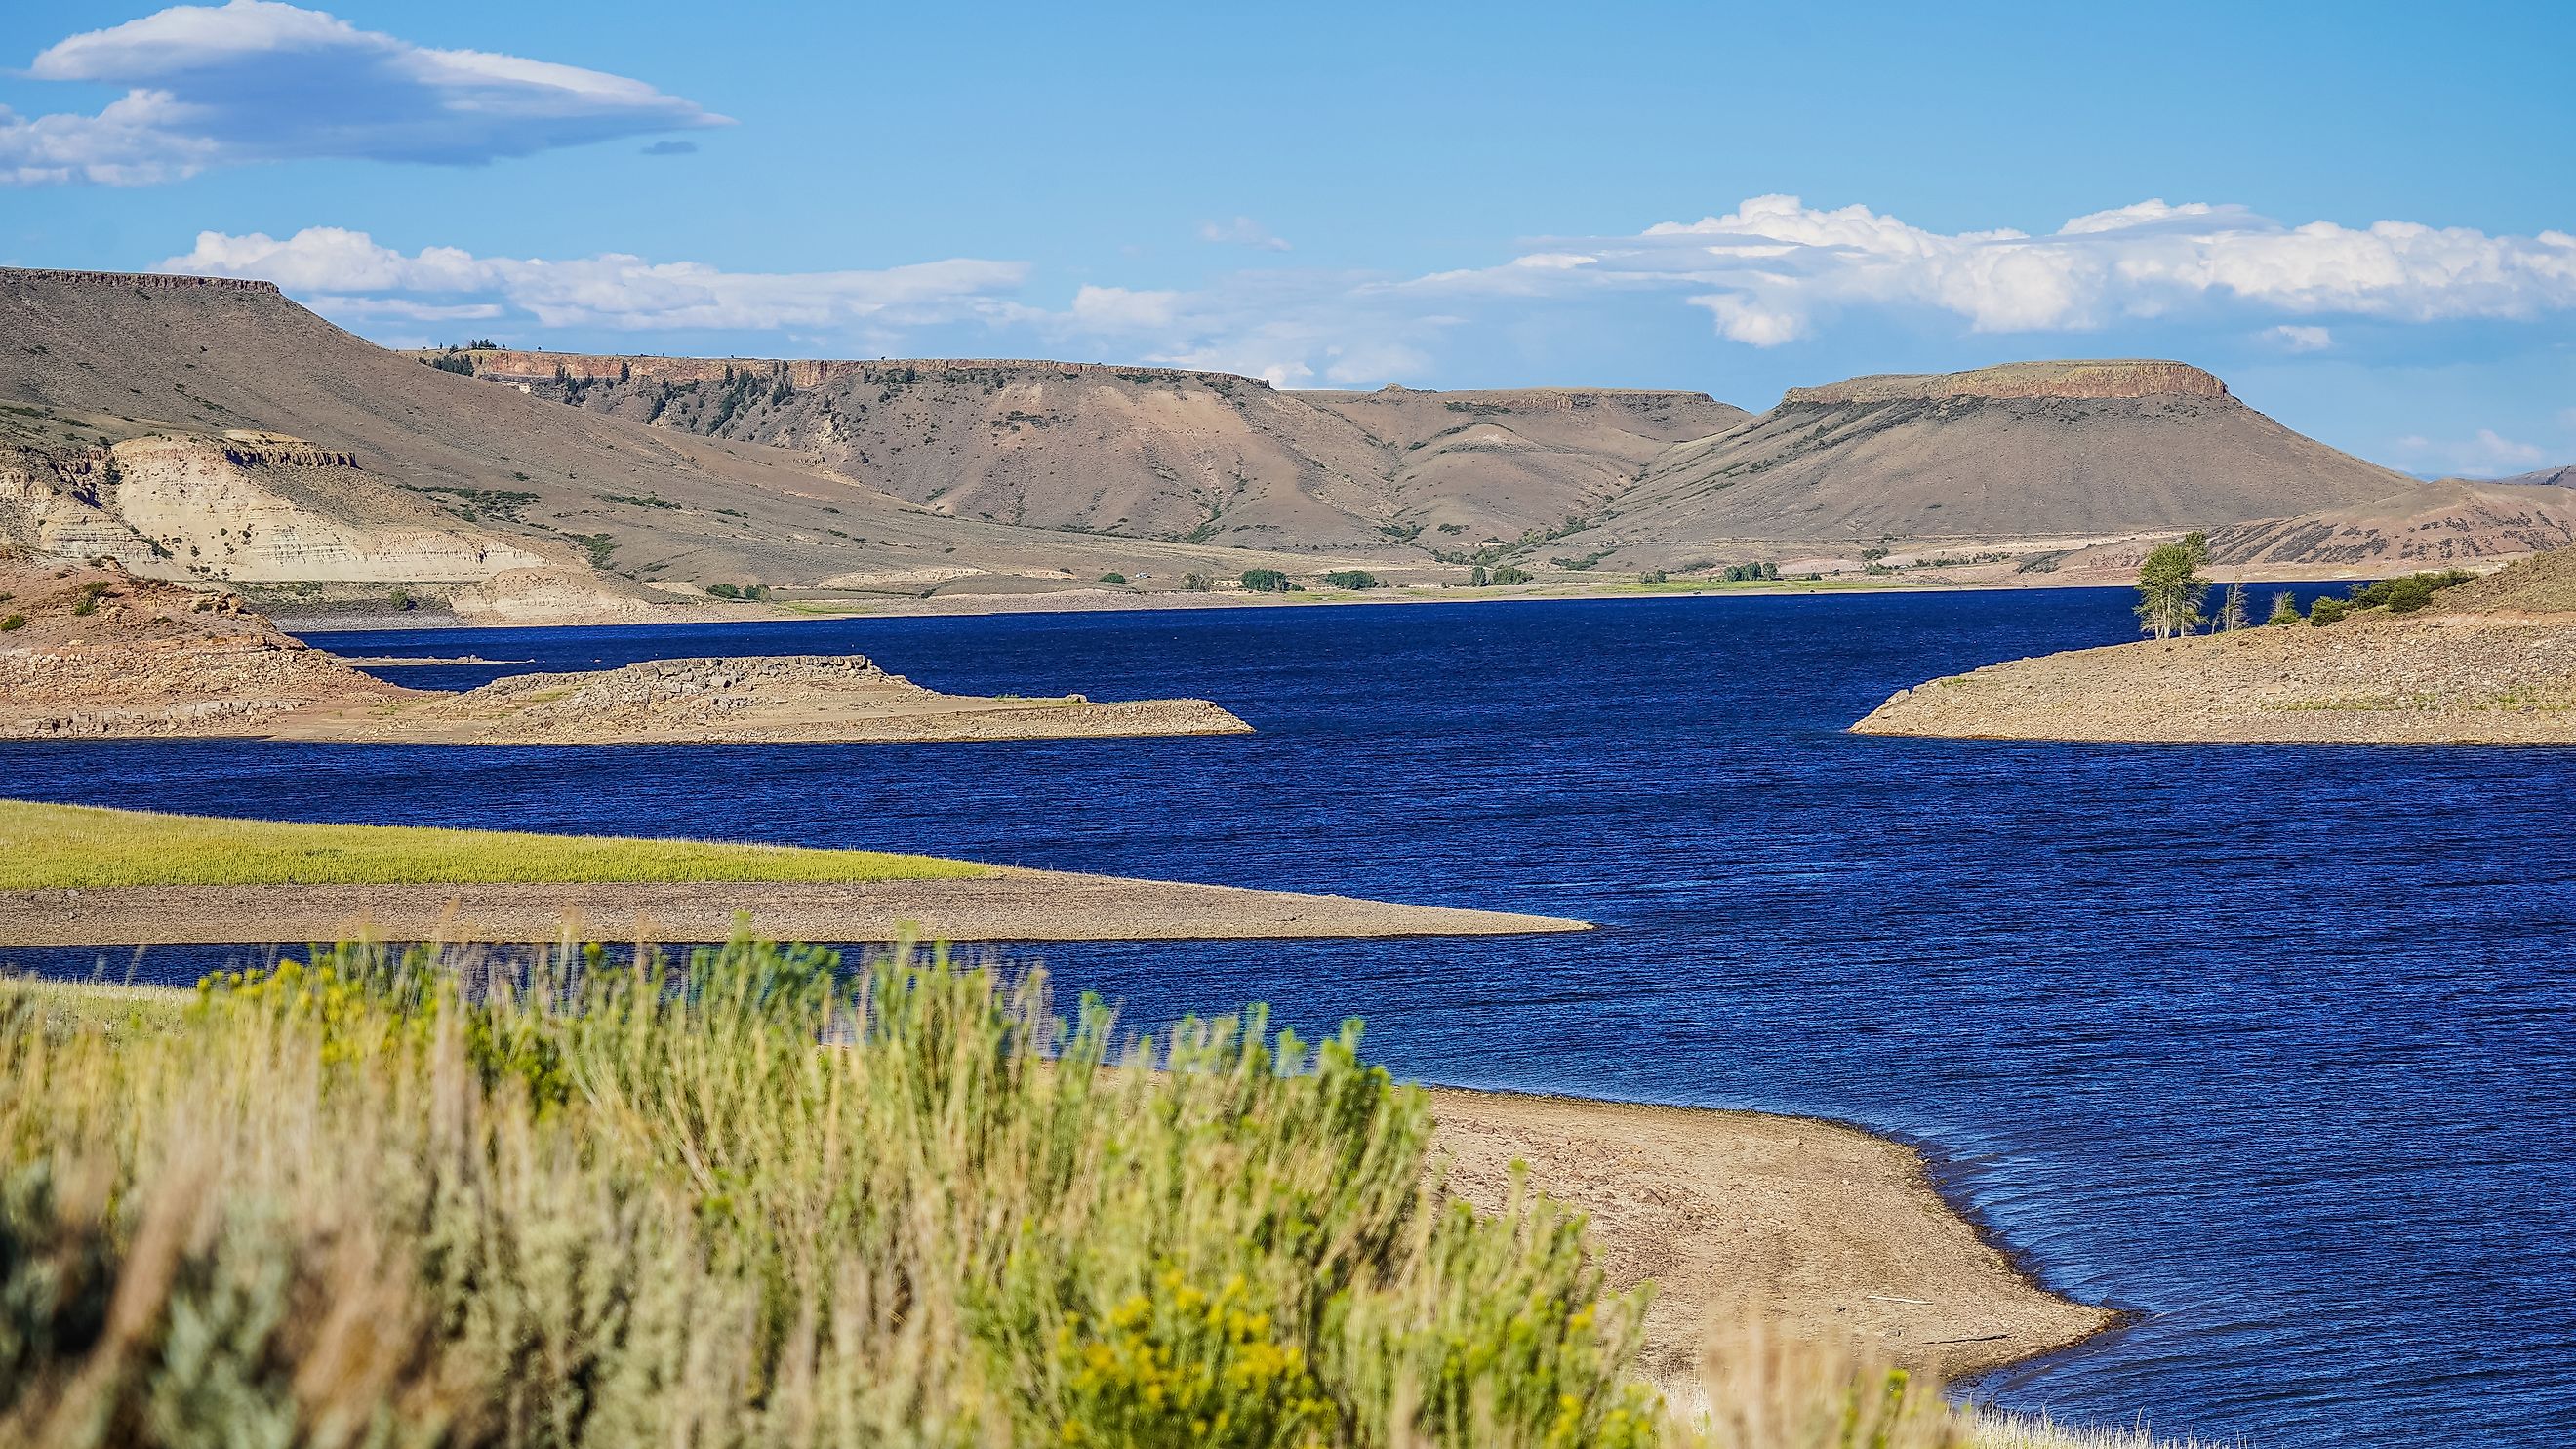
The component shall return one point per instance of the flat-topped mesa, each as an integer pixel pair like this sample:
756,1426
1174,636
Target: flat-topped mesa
510,364
142,281
2108,378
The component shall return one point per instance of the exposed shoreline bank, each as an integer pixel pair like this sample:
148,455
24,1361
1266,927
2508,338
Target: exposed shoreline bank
1819,1228
1007,903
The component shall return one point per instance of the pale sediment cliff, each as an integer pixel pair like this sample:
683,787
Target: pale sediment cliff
2109,378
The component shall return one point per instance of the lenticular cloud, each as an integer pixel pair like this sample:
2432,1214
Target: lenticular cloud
257,80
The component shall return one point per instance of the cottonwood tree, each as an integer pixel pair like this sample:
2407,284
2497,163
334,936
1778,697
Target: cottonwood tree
2170,588
2231,609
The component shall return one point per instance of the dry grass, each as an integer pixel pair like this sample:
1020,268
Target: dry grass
56,846
376,1201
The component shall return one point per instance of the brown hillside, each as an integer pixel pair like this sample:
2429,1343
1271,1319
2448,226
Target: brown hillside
2030,450
214,428
2433,525
1154,452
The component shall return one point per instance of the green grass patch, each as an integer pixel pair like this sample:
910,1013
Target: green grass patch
76,846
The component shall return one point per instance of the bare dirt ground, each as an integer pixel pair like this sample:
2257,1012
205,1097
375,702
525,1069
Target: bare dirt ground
98,653
1819,1230
1009,904
2452,678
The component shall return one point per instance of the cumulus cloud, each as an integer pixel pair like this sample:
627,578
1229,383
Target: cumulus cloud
347,274
1243,231
1775,270
2485,455
2296,337
257,80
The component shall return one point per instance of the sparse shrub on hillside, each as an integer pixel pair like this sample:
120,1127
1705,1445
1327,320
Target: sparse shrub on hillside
724,591
2328,611
13,623
2409,592
2285,608
1196,583
1353,579
750,1199
1512,574
1113,577
1267,581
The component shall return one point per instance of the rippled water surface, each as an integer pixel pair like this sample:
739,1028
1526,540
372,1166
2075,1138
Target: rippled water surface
2269,1044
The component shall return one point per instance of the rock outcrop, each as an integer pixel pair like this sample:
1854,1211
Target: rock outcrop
2115,378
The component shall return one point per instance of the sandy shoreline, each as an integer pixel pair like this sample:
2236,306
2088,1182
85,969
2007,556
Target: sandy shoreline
1008,904
1819,1229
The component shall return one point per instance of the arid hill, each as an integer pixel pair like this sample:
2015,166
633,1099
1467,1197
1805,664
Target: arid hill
2429,526
2064,451
206,428
1151,452
2490,661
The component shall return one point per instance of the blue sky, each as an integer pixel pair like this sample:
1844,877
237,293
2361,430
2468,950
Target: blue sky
2360,215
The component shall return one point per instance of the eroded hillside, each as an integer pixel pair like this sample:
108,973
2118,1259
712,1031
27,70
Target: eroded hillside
2048,451
1148,452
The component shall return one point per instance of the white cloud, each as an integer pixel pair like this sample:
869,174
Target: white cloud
1774,269
1243,231
2296,337
2486,455
340,272
256,80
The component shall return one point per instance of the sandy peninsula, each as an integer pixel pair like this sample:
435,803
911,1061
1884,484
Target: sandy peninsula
1821,1231
97,653
2492,661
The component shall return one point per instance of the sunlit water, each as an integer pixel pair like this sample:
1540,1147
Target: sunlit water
2271,1045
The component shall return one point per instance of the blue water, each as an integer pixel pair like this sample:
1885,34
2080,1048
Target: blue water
2271,1045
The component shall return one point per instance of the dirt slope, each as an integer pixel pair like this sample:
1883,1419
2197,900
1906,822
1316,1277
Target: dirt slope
2432,525
2029,450
207,427
2492,661
1154,452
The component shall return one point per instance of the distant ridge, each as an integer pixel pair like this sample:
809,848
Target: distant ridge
2063,450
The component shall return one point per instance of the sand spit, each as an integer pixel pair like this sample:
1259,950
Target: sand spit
803,698
2451,678
96,653
1008,904
1820,1229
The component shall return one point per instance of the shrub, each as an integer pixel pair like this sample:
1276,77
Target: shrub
724,591
1512,574
1354,579
2327,611
1477,578
751,1199
13,623
2285,608
1266,581
2409,592
1196,583
1113,577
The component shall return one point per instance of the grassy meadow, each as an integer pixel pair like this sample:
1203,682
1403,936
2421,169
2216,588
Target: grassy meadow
754,1198
80,847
